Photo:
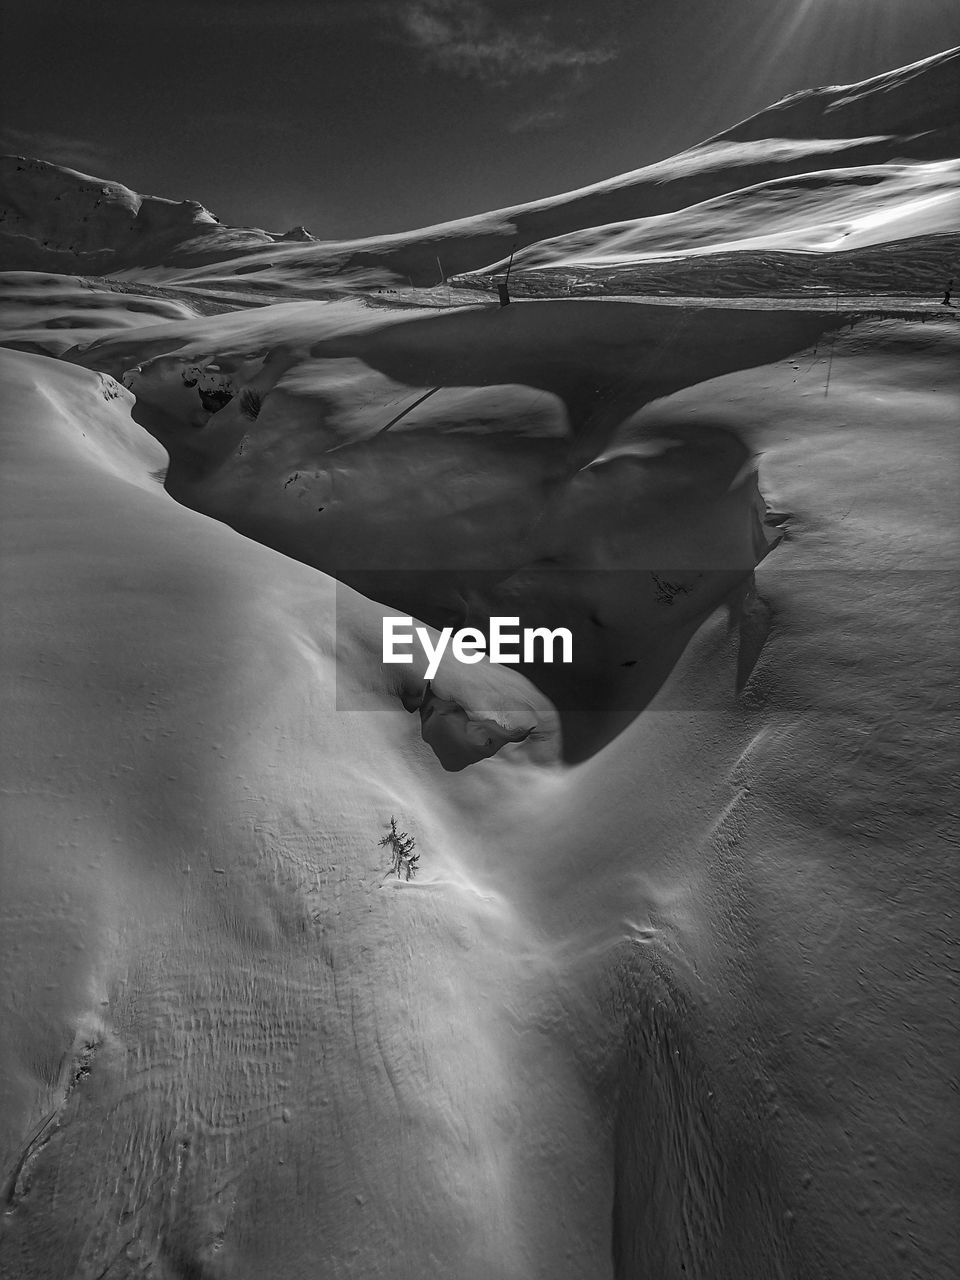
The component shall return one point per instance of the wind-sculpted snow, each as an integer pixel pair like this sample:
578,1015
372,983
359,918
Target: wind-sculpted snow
828,212
510,483
46,314
681,1008
916,103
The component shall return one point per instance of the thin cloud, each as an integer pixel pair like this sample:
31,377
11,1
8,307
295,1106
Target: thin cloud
57,148
468,38
537,118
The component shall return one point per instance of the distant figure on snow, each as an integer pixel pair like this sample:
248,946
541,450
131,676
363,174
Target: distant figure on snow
946,295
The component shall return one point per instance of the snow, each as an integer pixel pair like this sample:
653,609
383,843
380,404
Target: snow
671,992
821,212
904,117
46,313
52,213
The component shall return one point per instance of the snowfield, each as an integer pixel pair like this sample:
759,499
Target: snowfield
671,992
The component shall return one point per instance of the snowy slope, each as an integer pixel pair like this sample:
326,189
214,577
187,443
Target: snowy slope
682,1008
50,218
672,993
831,211
47,313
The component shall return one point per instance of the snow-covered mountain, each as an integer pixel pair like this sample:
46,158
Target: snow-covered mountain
866,163
55,218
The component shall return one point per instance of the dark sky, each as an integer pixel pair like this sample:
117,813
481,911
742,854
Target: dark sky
356,117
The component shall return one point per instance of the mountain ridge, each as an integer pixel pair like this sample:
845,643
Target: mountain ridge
907,116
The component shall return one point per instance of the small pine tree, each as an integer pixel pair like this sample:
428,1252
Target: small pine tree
401,846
